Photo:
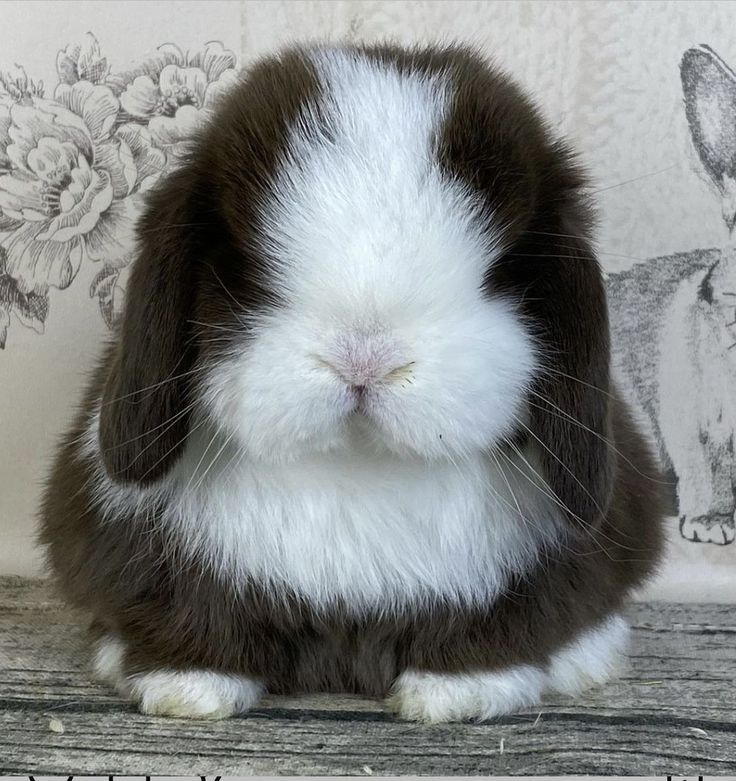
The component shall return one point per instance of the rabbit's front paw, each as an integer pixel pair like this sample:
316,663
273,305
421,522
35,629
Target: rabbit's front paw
718,529
107,660
441,697
192,694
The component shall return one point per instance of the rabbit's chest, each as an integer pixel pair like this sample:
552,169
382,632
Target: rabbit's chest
367,534
714,339
698,366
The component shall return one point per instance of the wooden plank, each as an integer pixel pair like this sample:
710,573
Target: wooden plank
673,712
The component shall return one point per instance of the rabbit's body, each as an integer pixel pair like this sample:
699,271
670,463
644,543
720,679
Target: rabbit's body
388,571
685,382
358,432
697,362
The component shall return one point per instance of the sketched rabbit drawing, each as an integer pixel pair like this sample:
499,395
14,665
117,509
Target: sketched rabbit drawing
697,370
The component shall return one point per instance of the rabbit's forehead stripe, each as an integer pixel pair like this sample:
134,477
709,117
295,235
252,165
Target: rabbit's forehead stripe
362,206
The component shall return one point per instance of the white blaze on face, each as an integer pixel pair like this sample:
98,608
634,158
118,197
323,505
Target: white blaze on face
379,257
347,453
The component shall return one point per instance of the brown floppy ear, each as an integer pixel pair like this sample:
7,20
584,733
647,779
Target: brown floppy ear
145,412
563,296
571,401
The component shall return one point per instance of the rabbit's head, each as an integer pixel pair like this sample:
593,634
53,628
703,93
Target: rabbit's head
369,249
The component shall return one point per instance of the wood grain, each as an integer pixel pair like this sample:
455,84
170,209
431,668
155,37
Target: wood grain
673,712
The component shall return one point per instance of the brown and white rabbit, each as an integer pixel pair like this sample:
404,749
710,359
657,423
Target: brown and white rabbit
357,431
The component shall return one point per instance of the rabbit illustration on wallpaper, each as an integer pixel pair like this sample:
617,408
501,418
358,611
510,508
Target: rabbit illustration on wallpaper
681,311
697,369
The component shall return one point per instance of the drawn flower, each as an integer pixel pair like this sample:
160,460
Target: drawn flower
82,62
112,241
6,222
74,169
30,308
16,86
73,187
173,92
52,190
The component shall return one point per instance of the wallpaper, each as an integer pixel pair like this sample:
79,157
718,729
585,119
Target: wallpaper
96,100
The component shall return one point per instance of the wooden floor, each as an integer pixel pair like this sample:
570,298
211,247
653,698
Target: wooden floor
673,713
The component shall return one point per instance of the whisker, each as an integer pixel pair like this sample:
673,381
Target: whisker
572,419
582,238
155,385
550,370
173,418
143,232
557,501
172,449
229,293
554,497
508,484
586,525
201,459
152,442
218,340
216,327
563,465
496,497
213,461
609,254
635,179
525,518
581,257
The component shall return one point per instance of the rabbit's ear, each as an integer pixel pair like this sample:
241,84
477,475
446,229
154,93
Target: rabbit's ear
571,402
145,412
562,297
709,86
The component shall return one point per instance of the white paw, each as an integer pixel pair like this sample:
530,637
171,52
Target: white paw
591,659
718,529
439,697
107,660
192,694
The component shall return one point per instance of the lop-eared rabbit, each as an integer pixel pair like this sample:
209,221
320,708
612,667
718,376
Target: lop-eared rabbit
356,432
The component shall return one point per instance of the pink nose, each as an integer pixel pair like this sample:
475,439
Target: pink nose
361,359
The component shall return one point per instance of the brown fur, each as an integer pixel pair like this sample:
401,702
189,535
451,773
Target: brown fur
174,613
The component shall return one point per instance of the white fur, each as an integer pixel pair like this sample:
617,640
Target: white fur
590,660
379,259
194,694
371,530
433,697
107,659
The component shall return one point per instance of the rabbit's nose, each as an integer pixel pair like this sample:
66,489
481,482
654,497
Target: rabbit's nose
362,360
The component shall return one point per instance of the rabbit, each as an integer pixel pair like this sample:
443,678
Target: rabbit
356,431
702,325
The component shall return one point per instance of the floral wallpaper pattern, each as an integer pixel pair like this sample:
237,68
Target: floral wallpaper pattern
76,159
